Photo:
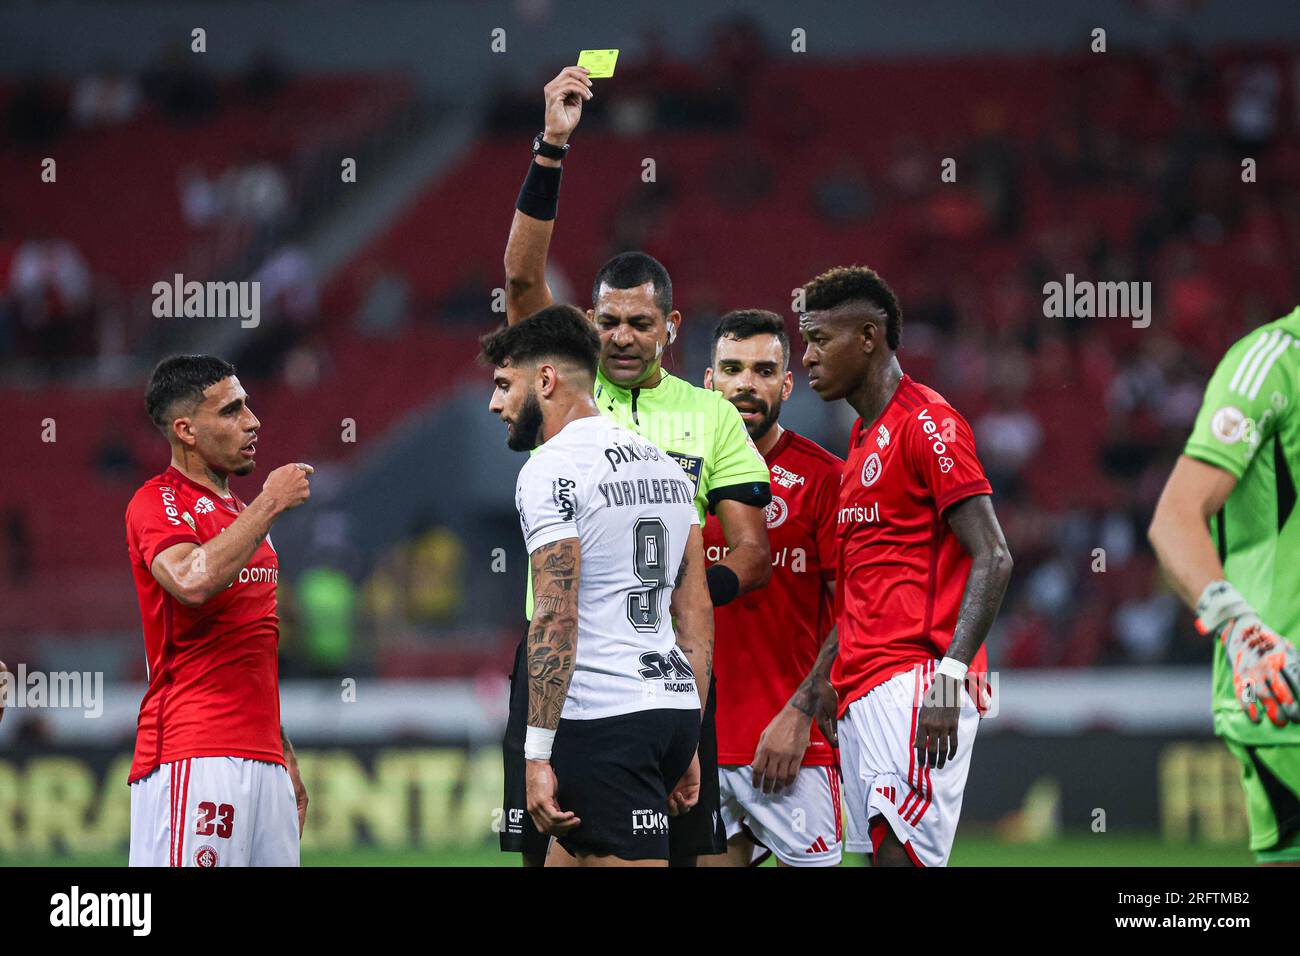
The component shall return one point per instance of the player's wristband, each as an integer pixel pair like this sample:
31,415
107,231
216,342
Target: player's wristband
951,667
540,195
723,584
538,742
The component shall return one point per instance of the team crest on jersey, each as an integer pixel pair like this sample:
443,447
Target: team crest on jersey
185,515
204,505
871,469
1229,424
205,856
776,511
692,465
882,437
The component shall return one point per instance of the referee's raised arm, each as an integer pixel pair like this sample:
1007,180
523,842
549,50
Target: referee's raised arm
534,220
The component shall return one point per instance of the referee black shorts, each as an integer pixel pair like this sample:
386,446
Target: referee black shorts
700,831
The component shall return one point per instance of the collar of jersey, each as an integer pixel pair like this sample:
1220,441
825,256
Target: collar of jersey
179,475
781,444
623,393
863,428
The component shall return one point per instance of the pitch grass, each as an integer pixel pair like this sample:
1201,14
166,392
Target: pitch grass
1101,849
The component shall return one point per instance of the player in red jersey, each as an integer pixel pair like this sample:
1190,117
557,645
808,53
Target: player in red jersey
214,781
922,569
773,649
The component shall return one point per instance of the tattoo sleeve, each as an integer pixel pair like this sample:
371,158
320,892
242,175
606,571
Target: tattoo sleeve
804,698
977,528
553,634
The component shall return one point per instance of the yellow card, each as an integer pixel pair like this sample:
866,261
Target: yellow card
599,62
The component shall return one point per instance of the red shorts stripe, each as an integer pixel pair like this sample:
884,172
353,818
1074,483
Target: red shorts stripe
929,796
833,778
929,786
919,800
911,741
180,813
171,826
877,833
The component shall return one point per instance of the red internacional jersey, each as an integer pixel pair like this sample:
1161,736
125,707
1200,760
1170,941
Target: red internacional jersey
213,670
765,642
902,572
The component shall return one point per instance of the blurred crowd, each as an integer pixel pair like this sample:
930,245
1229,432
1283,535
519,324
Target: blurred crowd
344,614
1134,174
222,172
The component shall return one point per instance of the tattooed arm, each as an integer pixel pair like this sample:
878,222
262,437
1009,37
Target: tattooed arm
810,697
552,647
781,746
976,527
553,634
692,612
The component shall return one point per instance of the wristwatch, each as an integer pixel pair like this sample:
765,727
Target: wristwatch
549,150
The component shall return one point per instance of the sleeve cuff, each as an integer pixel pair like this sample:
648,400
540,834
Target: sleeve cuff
1210,455
968,490
168,542
545,536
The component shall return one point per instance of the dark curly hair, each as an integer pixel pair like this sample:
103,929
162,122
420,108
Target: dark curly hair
849,283
555,332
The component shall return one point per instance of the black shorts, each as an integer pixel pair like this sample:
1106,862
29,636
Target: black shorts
701,832
518,834
616,773
697,833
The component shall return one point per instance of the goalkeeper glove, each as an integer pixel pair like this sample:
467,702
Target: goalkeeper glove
1265,665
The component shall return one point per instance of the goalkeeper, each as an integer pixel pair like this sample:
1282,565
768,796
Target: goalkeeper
1227,531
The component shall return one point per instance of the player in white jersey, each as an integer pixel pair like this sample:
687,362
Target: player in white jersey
623,622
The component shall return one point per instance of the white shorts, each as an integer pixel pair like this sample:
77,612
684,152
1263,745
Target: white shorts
883,782
800,824
214,811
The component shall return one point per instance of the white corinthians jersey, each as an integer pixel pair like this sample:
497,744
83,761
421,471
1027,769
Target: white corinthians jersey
631,508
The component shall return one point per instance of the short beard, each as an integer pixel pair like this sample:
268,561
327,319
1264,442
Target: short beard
527,432
764,425
244,469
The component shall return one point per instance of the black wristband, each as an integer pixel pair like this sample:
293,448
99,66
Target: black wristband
723,584
540,195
